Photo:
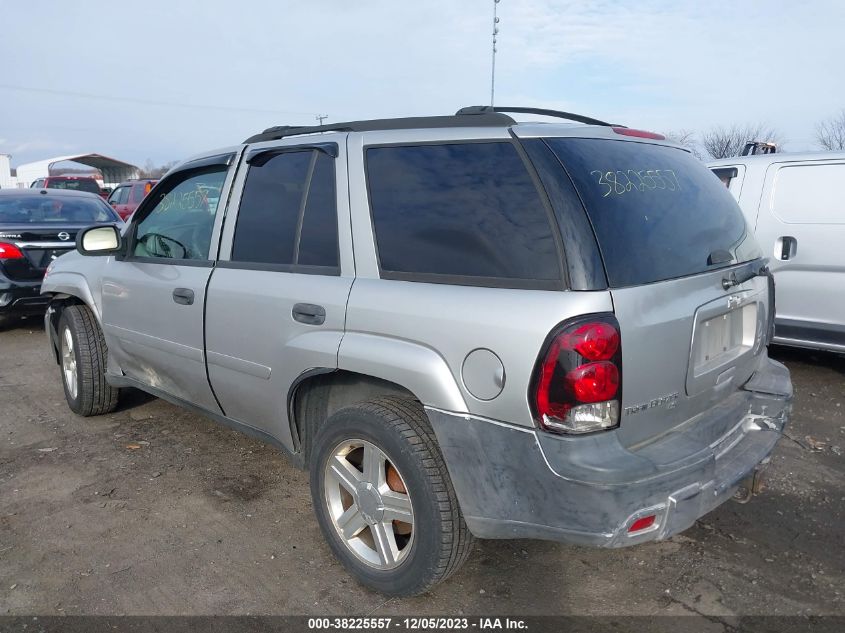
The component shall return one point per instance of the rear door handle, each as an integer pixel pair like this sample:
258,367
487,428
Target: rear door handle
309,313
183,296
788,247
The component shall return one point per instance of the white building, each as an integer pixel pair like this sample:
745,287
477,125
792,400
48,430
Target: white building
6,180
114,171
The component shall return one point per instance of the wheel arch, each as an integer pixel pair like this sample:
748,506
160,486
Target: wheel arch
65,289
369,366
318,393
59,301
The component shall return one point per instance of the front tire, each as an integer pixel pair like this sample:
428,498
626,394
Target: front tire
384,499
82,358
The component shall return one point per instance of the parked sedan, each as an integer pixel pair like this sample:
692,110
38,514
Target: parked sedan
36,227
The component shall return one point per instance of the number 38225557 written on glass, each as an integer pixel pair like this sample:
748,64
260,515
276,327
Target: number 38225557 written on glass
620,182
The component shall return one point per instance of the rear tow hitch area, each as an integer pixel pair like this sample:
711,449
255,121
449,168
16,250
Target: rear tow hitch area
753,484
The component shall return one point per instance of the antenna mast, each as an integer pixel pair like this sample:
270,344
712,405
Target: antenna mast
493,65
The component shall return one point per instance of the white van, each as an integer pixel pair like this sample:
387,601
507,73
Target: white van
796,204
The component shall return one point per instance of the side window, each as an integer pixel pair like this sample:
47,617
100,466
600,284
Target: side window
731,177
119,195
466,210
725,174
288,214
318,240
137,193
180,224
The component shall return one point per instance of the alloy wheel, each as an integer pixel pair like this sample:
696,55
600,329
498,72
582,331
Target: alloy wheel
368,504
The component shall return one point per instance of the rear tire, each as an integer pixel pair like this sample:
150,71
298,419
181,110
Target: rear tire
430,541
82,359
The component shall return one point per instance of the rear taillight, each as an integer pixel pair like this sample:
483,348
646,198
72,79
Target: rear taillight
577,384
627,131
9,251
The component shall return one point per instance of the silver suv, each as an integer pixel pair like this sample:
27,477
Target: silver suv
463,326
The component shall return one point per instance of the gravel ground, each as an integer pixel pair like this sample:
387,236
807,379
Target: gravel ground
154,510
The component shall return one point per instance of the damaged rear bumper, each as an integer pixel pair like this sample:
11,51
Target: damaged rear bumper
517,482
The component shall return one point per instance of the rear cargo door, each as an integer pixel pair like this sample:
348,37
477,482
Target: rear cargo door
687,345
681,263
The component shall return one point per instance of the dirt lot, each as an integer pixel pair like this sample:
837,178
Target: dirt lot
153,510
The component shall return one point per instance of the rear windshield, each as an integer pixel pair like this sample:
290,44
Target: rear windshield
38,209
658,213
82,184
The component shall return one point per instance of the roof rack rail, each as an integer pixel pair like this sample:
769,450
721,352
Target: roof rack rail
480,119
478,110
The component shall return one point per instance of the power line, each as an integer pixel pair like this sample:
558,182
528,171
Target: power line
167,104
493,64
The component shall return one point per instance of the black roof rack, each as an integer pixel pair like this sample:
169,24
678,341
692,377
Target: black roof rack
480,119
479,110
472,116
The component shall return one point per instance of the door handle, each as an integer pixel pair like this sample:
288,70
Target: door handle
183,296
786,247
309,313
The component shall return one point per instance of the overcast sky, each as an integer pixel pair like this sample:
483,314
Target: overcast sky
166,79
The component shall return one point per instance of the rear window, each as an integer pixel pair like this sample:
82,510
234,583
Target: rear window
465,213
657,212
38,209
82,184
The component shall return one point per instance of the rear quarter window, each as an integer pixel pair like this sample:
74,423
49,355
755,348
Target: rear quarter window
466,213
657,212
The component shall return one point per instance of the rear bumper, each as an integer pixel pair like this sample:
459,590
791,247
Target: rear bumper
516,482
21,297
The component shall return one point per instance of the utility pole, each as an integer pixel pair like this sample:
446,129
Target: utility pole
493,65
321,117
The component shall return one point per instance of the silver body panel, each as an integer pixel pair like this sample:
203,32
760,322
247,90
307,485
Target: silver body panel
467,353
795,195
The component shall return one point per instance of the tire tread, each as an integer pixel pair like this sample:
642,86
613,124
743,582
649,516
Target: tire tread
96,396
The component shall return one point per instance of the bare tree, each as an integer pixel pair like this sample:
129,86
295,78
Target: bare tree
725,142
150,170
685,138
830,134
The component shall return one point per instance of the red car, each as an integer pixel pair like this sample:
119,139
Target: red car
74,183
128,195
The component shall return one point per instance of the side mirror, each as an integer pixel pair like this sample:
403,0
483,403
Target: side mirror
99,240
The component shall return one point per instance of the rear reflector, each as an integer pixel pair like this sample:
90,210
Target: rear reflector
642,524
626,131
10,251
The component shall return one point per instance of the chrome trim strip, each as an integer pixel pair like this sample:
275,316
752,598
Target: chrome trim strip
68,245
